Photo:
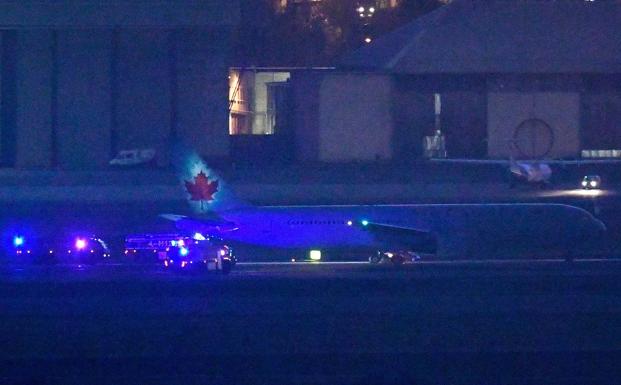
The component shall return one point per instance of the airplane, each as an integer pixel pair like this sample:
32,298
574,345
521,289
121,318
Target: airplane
533,172
529,172
473,230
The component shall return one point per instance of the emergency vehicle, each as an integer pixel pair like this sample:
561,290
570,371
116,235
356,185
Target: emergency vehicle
179,251
58,249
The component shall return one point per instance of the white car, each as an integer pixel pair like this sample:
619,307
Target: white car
591,182
135,157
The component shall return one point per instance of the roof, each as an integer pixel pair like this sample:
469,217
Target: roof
502,36
117,13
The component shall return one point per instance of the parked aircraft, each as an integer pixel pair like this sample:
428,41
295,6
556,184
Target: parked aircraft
446,230
531,172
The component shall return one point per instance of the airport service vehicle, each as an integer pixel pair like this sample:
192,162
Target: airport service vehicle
177,251
74,249
591,182
134,157
445,230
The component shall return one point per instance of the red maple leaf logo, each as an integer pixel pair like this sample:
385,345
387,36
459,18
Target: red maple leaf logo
202,189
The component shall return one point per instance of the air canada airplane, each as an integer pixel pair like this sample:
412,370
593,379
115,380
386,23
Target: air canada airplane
445,230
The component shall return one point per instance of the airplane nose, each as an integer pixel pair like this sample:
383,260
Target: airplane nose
601,226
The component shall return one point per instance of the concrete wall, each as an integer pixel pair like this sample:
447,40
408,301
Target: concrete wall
560,110
34,96
355,119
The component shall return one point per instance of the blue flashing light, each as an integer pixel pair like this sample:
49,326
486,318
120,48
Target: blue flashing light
80,243
173,243
183,251
18,241
365,222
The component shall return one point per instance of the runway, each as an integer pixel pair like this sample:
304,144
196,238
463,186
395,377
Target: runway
313,323
115,270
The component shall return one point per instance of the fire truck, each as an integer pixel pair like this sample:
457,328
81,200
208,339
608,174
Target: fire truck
181,251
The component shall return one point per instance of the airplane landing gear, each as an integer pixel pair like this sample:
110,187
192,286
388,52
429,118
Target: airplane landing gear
396,258
376,258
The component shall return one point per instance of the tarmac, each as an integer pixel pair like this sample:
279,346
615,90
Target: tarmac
443,322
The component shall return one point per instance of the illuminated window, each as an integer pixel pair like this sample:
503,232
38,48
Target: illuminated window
280,5
381,4
238,124
258,100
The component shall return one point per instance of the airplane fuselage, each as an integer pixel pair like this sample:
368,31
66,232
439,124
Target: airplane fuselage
461,230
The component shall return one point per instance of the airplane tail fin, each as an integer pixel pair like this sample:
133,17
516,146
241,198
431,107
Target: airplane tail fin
204,190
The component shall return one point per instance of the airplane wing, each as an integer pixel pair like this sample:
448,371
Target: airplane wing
561,162
503,162
402,236
206,226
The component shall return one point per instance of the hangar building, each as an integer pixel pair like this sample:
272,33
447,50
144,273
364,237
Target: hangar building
82,79
528,78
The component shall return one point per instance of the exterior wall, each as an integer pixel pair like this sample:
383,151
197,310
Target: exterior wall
84,94
480,114
463,123
92,78
83,100
463,114
414,118
560,110
143,89
601,122
601,113
34,96
355,119
201,108
8,97
2,74
305,86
